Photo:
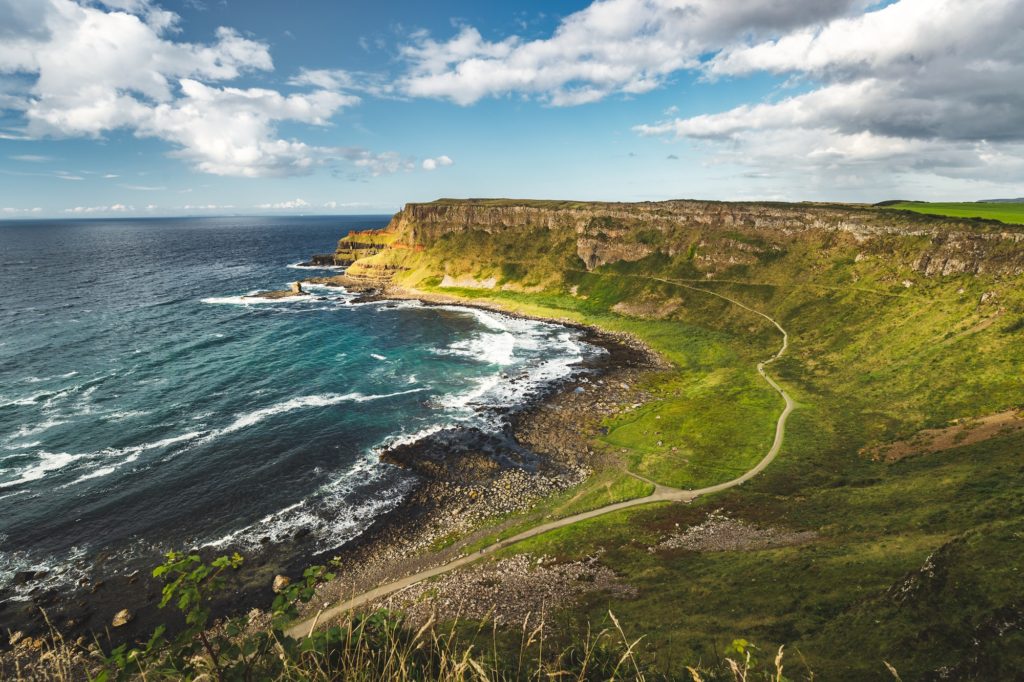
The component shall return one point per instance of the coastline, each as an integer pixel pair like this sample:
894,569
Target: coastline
455,497
557,425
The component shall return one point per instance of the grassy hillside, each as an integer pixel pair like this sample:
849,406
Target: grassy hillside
915,562
1004,212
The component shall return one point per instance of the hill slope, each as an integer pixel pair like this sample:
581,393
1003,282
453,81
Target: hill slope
898,323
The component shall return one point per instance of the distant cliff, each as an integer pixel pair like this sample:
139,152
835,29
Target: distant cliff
713,237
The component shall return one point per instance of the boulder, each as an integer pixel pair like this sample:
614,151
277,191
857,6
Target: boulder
296,288
281,582
122,618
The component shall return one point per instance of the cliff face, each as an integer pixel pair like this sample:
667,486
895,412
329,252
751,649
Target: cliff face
718,235
355,246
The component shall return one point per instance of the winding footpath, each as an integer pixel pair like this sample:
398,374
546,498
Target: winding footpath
661,493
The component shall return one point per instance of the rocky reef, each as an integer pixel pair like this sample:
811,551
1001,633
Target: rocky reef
294,289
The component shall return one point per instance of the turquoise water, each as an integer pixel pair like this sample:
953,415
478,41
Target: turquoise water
146,405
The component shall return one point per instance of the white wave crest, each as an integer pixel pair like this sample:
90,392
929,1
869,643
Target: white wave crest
48,461
495,349
305,401
251,299
300,266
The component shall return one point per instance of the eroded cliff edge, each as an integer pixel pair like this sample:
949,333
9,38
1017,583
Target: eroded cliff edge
502,242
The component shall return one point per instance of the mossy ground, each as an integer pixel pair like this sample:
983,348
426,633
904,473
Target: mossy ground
877,353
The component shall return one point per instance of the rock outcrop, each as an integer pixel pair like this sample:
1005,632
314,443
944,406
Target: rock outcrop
714,236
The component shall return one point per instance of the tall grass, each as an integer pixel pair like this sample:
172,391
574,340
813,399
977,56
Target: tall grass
379,646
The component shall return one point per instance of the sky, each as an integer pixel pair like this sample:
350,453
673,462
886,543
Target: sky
211,107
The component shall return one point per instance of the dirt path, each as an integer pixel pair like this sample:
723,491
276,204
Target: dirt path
661,493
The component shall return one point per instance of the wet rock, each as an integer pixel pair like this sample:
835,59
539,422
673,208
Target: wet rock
23,577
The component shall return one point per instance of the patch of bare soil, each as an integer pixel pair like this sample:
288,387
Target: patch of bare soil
511,591
719,533
648,309
962,432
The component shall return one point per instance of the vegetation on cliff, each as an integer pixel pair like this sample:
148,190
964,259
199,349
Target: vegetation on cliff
898,322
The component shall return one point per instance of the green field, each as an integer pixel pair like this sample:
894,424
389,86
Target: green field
1007,213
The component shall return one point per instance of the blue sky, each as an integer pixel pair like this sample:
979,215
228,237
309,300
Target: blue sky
139,107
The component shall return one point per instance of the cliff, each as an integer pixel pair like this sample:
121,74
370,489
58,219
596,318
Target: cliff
713,237
353,246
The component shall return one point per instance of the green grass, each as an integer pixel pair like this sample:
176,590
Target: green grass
1007,213
686,436
870,360
829,598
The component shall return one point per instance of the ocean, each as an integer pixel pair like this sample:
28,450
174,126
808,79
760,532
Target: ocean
146,405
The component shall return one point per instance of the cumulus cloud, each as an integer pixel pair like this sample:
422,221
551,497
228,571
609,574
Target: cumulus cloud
917,87
612,46
93,69
438,162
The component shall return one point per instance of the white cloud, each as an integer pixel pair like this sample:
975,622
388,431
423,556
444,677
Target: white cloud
613,46
438,162
31,158
12,211
115,208
98,69
111,176
286,205
384,163
916,89
340,80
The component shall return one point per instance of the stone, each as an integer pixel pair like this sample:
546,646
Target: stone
281,582
122,618
296,288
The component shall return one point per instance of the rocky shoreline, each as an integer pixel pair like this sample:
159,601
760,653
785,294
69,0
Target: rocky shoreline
463,489
464,493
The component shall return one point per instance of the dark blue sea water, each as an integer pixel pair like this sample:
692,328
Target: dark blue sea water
146,405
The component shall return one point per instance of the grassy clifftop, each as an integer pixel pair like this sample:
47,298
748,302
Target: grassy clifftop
898,323
1007,212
